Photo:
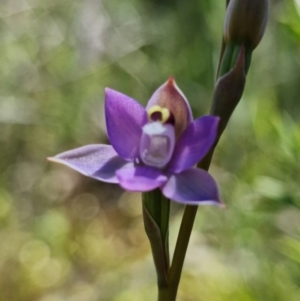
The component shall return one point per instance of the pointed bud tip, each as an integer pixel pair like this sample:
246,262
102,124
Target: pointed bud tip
171,81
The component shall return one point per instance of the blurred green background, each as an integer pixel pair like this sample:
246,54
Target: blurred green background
64,237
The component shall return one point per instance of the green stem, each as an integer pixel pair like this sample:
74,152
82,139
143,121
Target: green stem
163,294
180,249
237,79
226,59
156,211
159,208
223,46
229,57
183,239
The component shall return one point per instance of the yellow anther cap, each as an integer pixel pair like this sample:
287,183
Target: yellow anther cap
157,113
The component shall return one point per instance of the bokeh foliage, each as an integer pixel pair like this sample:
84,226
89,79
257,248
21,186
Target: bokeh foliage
65,237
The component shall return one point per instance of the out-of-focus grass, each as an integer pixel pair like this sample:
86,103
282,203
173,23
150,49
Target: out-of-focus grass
65,237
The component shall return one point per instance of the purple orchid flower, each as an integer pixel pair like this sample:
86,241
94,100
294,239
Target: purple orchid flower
156,147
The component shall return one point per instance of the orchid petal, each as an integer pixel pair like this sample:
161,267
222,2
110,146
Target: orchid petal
194,143
124,121
193,186
140,178
95,161
170,96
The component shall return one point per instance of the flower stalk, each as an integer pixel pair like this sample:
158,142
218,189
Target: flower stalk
156,211
231,80
234,63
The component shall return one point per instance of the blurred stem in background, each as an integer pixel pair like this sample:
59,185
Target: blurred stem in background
244,27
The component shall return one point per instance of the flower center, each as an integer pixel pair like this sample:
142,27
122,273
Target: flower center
157,143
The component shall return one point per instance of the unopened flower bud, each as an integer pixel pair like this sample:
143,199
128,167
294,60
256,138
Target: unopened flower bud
229,90
246,21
